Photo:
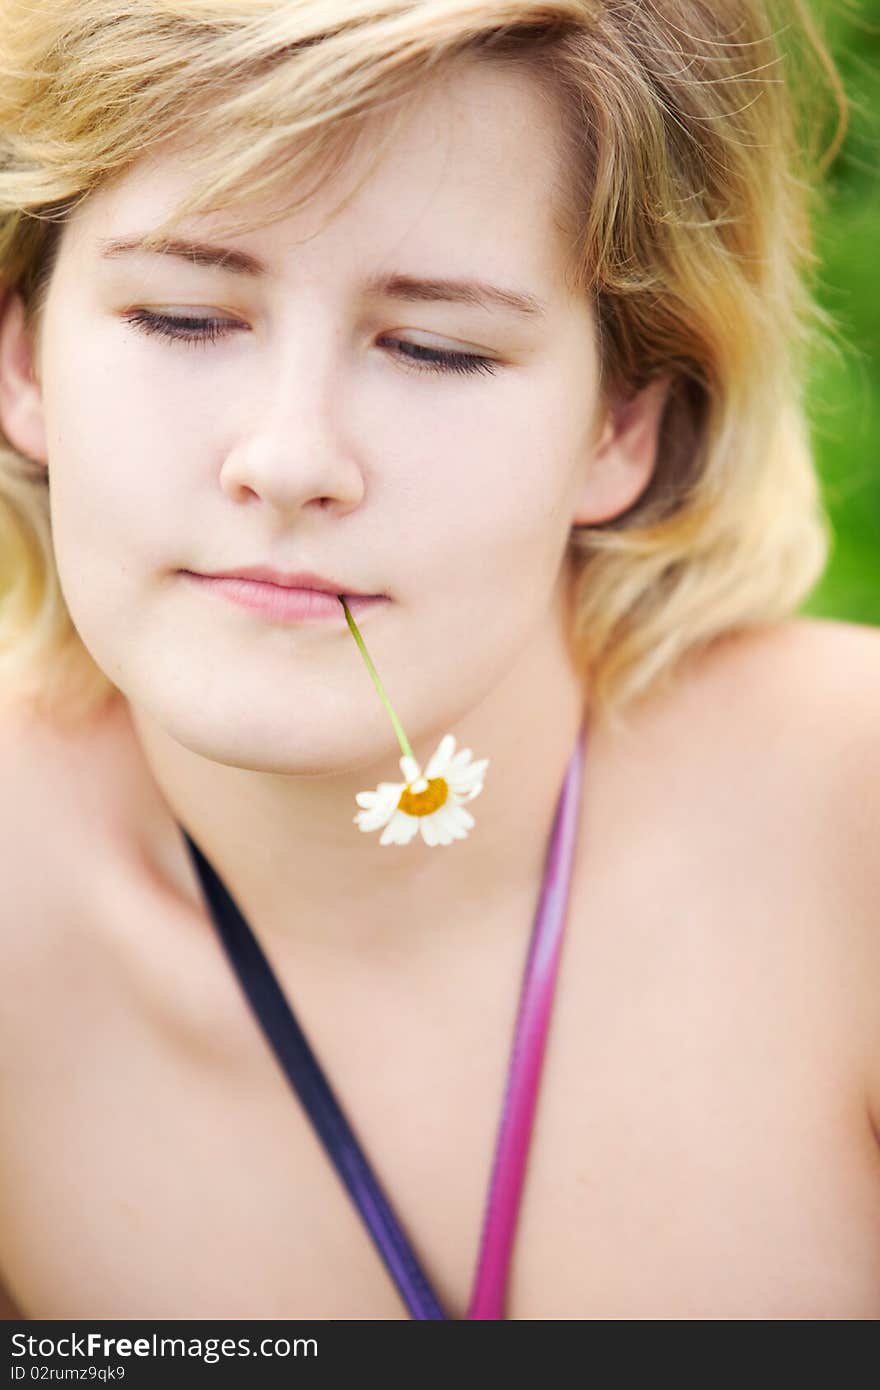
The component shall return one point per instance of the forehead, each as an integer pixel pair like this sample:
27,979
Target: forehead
469,181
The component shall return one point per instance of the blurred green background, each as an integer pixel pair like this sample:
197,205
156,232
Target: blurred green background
844,396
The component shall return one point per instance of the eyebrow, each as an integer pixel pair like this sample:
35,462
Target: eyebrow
458,290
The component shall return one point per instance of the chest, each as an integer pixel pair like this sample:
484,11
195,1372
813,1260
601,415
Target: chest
699,1150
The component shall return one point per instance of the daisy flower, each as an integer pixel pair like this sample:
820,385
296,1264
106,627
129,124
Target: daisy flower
431,801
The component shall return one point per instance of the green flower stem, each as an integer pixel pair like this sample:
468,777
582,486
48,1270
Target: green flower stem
398,727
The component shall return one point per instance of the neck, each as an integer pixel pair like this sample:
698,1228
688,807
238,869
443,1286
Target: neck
287,849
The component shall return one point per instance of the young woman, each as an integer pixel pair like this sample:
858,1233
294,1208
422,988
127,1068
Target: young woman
497,315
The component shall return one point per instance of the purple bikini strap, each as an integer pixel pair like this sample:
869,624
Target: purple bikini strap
524,1074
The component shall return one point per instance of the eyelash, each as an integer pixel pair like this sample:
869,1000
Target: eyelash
179,329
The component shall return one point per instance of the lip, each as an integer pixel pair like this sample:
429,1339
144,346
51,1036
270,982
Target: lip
301,579
283,603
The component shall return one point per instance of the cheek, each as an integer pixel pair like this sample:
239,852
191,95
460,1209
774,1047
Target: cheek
493,506
483,571
505,463
112,470
111,506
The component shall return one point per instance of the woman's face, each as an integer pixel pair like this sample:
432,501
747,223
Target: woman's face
308,435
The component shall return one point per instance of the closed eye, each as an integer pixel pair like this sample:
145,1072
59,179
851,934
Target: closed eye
415,356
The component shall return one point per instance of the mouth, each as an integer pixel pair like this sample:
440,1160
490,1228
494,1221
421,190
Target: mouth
281,602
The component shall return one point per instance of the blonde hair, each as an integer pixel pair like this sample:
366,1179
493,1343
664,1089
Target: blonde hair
691,168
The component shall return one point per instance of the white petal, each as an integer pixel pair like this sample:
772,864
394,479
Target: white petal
389,835
469,796
400,829
462,817
408,828
388,799
462,787
381,803
450,821
472,770
410,768
428,828
441,756
446,828
372,820
462,790
461,759
435,831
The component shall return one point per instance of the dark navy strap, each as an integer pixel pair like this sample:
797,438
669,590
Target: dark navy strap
307,1079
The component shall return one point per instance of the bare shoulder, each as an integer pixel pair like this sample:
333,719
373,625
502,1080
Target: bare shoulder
53,779
791,707
791,715
842,658
818,666
797,706
50,769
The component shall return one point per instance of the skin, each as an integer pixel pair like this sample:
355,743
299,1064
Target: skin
702,1146
305,441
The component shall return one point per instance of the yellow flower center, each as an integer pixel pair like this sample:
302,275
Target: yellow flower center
424,803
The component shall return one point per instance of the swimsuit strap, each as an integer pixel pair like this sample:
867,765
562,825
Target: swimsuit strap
326,1114
527,1053
308,1080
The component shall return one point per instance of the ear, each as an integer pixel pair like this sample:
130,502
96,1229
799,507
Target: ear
623,458
21,401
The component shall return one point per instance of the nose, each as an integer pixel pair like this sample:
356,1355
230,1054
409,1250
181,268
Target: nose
290,448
